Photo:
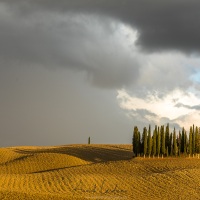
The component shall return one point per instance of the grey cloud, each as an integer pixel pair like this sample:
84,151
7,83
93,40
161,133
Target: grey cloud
196,107
65,33
79,35
179,105
144,117
163,25
145,112
82,42
172,123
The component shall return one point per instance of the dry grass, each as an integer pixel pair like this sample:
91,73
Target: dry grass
94,172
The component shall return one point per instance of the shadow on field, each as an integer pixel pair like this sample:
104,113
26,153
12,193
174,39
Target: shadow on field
58,168
85,152
17,159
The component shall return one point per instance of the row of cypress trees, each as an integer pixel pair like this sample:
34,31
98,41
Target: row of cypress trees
162,142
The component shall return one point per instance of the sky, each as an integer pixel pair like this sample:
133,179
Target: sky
70,70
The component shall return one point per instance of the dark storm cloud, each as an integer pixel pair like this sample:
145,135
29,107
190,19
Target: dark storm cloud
162,25
34,33
79,34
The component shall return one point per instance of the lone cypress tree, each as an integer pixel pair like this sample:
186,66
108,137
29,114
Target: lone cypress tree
149,141
89,140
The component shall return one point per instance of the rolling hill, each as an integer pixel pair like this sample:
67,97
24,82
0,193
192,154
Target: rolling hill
94,172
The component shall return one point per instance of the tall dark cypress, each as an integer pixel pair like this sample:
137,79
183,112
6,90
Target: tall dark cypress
179,143
183,140
135,141
154,140
167,139
171,145
158,142
139,144
190,141
174,143
197,142
149,141
145,141
162,131
186,149
167,151
142,143
193,140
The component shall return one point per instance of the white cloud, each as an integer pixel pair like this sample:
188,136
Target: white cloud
166,107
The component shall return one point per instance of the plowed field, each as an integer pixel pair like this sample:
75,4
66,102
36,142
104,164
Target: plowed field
94,172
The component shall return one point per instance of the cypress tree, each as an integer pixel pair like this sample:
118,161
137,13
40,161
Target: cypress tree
183,141
158,142
193,140
149,141
154,140
170,145
142,143
174,143
197,140
179,143
135,141
167,152
167,139
190,141
145,141
139,144
162,132
186,143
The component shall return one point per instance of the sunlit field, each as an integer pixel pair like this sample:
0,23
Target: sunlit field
95,172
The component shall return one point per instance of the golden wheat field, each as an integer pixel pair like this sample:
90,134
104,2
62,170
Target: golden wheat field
94,172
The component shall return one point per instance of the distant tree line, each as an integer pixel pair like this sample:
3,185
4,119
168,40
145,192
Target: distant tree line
162,142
